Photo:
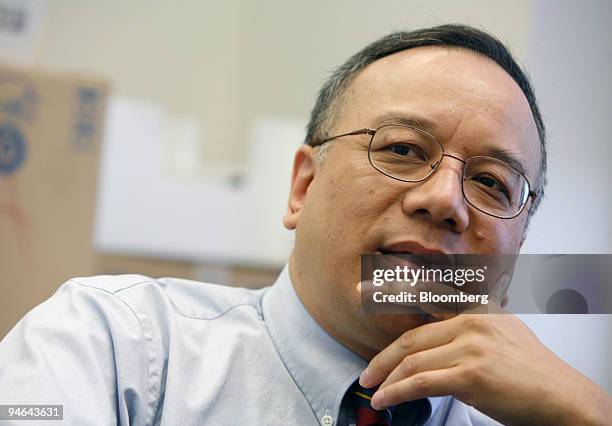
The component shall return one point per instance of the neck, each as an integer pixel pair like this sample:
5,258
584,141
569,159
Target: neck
326,318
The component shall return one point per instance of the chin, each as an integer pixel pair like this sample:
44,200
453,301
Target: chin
384,329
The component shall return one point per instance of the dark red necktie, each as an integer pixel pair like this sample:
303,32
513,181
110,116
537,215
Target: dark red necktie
365,415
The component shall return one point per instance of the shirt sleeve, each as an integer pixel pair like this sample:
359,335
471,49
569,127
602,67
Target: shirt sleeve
84,348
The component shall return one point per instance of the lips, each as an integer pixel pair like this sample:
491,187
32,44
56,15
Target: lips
408,247
414,254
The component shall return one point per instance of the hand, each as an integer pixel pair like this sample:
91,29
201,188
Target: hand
492,362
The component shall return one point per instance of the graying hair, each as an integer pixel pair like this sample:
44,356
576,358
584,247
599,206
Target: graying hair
331,97
321,152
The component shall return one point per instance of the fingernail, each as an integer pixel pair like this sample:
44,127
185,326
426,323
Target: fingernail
365,379
378,400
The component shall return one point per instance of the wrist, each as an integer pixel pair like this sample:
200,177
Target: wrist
587,408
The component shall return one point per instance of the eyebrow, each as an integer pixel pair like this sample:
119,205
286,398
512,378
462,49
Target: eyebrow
508,157
406,120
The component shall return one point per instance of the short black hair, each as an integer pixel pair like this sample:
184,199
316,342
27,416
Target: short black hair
324,111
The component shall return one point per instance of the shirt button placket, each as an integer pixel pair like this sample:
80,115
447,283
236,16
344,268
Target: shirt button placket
327,420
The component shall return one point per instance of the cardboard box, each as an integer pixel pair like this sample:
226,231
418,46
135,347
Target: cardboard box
232,275
50,133
114,264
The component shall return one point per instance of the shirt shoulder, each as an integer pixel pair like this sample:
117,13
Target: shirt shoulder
102,344
188,298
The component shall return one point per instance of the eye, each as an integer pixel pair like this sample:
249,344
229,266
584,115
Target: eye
491,184
406,150
400,149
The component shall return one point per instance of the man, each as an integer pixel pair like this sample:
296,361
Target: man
135,350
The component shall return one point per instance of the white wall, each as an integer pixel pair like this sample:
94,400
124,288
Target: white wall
570,61
227,63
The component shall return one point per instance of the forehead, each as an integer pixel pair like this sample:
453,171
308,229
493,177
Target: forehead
463,98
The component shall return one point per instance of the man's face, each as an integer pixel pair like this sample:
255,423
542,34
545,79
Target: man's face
343,207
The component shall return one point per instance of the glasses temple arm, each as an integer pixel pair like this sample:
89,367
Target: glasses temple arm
356,132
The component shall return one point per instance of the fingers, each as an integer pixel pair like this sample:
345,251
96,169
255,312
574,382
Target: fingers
416,340
428,360
422,385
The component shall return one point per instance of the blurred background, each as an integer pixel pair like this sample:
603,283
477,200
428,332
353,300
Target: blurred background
156,137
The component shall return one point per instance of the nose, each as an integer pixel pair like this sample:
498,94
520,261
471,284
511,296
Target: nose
439,198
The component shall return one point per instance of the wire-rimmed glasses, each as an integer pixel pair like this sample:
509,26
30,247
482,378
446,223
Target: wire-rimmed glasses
410,154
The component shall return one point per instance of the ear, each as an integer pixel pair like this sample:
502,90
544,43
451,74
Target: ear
505,301
301,177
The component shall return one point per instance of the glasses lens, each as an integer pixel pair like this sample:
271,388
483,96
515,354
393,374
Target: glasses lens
494,187
404,153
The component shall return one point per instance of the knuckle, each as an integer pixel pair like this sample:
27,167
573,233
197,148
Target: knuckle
421,384
472,373
376,364
409,365
473,349
470,320
408,339
475,322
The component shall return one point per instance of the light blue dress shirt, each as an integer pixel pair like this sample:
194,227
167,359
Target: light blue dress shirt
134,350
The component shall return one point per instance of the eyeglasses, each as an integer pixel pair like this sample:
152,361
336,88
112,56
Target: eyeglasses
409,154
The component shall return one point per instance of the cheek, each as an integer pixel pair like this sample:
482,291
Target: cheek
347,204
497,235
357,192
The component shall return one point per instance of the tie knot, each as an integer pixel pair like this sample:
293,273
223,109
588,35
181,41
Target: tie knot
365,415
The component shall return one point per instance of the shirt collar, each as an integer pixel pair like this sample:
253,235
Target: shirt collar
322,368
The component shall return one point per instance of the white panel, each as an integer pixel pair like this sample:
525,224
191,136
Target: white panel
145,209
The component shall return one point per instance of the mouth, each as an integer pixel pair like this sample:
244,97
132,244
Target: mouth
384,251
408,247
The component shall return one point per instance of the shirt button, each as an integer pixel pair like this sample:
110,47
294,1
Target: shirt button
327,420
